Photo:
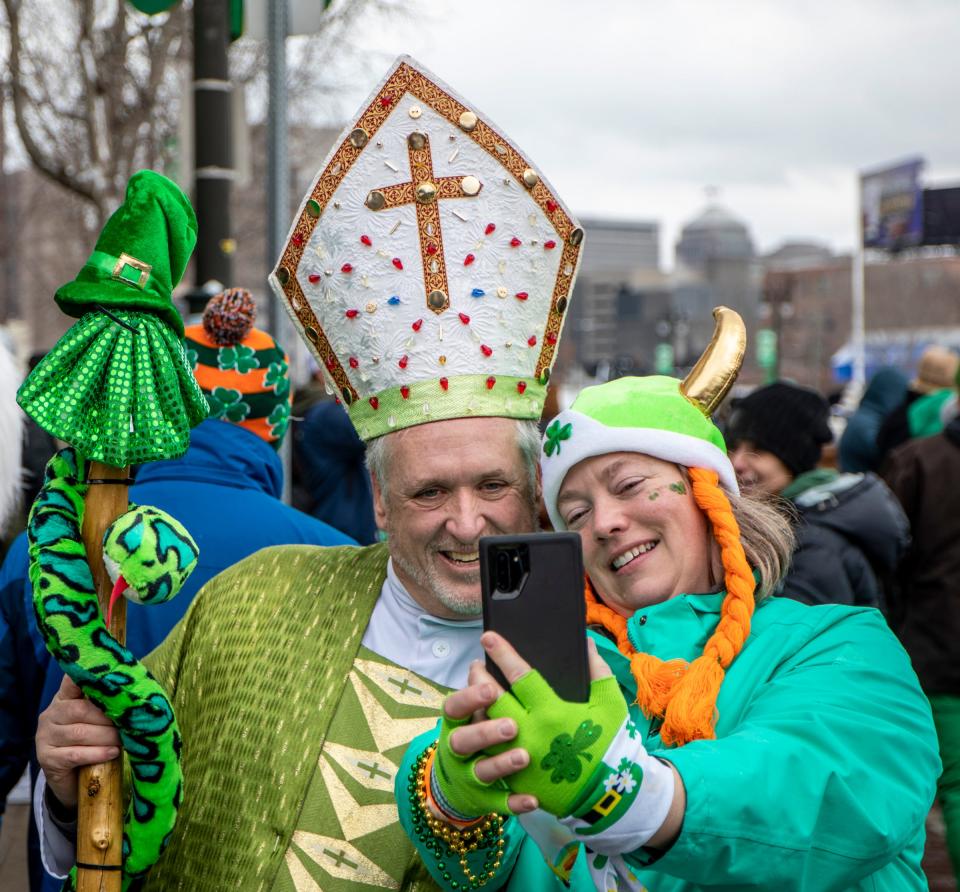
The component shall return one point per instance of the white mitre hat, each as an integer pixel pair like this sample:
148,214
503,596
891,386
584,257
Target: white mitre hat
430,266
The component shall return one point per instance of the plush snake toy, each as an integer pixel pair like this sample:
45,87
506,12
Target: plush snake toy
149,555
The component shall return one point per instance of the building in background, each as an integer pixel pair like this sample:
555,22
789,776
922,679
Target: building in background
616,252
716,263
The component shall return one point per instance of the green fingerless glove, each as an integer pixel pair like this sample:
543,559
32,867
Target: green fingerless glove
454,784
566,741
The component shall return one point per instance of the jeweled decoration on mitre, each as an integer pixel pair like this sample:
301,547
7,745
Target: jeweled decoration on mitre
430,266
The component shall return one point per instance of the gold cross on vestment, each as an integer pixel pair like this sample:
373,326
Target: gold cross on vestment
425,192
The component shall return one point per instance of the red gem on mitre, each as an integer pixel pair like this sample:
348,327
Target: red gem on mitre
490,382
313,278
352,314
464,318
354,362
397,262
549,245
485,350
405,392
403,362
366,240
386,101
431,248
551,205
331,363
374,402
416,326
532,341
551,338
522,295
297,240
491,228
515,242
444,383
521,386
346,268
468,259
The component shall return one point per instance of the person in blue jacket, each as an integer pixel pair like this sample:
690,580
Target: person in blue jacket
226,490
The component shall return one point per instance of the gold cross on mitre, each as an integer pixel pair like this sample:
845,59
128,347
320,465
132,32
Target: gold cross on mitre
426,190
430,265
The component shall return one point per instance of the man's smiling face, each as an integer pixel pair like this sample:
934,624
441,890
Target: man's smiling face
448,483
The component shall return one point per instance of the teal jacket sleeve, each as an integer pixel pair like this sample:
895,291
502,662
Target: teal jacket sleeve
826,777
444,866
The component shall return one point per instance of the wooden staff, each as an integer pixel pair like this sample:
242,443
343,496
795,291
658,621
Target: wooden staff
100,793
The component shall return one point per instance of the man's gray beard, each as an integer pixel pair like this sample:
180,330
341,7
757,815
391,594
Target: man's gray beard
454,601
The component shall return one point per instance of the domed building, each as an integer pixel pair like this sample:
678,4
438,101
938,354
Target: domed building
715,234
716,264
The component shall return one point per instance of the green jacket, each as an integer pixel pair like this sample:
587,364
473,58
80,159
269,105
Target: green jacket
821,774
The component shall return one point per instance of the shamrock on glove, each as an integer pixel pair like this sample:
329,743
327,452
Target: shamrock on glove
566,741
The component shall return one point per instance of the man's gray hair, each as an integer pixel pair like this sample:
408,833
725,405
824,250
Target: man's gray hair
528,442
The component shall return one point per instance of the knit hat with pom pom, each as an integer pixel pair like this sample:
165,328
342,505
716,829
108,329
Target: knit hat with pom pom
241,369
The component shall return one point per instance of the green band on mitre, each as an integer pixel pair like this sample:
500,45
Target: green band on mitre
140,254
465,396
646,415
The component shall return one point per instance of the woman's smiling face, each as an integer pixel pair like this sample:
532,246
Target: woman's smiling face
644,538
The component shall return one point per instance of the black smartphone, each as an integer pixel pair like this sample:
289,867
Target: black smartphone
532,589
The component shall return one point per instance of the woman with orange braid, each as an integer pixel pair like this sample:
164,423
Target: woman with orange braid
732,739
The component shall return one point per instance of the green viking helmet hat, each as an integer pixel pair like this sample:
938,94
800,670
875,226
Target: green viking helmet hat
657,416
140,255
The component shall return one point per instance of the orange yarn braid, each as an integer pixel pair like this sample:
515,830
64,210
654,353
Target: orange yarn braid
685,695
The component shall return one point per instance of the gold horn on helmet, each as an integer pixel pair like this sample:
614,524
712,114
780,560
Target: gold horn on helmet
715,371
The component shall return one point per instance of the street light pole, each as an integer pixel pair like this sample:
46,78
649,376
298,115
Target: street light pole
213,165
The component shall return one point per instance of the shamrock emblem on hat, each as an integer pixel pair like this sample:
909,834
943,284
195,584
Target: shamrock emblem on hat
556,433
241,358
565,752
192,358
278,419
226,403
276,378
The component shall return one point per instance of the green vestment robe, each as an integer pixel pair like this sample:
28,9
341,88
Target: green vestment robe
292,732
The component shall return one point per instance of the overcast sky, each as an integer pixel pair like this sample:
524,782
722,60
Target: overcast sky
632,107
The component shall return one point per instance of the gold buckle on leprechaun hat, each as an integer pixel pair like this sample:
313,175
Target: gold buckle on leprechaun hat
123,262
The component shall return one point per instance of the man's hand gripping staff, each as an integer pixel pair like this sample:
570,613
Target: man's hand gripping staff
512,751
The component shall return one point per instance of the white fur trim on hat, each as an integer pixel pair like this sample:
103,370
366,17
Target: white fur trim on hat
590,438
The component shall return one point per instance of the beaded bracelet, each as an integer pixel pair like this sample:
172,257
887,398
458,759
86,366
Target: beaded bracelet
439,837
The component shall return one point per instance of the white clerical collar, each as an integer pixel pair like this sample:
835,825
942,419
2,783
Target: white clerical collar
404,602
402,631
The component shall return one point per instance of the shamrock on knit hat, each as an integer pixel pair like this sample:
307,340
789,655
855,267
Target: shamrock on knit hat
242,370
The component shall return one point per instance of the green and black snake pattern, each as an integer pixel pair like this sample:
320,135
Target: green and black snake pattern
155,554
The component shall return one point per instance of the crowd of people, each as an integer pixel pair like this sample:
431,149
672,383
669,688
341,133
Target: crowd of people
774,689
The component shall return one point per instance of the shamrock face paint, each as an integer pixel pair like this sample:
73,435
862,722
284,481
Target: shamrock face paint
644,538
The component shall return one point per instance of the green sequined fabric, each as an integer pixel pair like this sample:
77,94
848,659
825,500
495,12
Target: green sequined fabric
117,387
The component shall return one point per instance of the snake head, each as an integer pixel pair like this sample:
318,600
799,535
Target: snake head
148,554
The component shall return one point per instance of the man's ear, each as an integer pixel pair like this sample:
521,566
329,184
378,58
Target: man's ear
379,503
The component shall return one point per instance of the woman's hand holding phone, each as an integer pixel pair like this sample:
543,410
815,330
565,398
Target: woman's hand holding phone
471,780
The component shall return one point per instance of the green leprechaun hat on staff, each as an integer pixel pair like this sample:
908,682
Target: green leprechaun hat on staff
117,385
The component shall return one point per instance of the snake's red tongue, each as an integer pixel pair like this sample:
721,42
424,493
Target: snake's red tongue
119,587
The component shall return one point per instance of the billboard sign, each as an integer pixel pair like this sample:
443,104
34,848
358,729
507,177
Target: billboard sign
891,203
